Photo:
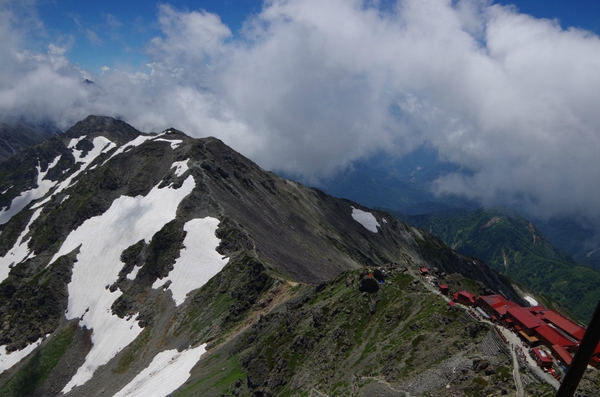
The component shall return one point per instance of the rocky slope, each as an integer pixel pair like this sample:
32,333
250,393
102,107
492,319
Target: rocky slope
151,264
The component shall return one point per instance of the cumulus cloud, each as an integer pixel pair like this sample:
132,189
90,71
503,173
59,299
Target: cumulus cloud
311,86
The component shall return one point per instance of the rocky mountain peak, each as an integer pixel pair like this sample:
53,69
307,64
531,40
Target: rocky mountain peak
92,126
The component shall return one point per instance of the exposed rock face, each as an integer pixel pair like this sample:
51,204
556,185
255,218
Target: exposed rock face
280,314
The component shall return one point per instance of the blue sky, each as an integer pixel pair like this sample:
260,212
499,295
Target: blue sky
113,33
313,87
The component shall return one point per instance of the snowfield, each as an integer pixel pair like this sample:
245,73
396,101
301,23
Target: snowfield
99,242
198,261
166,373
366,219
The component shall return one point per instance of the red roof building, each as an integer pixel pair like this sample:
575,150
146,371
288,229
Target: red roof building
542,358
525,319
444,289
424,271
495,305
464,297
568,326
562,354
549,336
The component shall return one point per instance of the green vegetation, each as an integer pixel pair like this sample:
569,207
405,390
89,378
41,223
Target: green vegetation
35,372
219,379
477,386
334,333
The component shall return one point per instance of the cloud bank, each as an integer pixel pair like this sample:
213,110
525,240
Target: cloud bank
311,86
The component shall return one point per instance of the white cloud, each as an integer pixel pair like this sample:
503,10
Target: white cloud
313,86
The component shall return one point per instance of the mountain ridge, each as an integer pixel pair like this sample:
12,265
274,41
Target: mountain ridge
98,280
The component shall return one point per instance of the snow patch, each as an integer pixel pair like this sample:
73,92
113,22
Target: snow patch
366,219
198,261
100,145
174,143
23,200
532,302
74,141
7,360
19,252
100,241
181,167
166,373
131,144
134,272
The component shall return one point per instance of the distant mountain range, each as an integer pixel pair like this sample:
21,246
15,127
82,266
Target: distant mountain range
17,134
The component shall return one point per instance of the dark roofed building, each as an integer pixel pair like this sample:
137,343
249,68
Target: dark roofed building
464,297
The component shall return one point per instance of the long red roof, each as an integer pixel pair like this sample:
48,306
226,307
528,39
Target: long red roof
563,323
545,331
563,354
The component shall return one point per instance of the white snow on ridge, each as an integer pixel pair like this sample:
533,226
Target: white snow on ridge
142,139
8,360
166,373
174,142
180,167
133,143
198,261
532,302
366,219
19,252
101,240
23,200
101,145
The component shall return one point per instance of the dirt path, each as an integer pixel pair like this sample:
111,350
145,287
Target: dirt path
516,373
531,364
388,385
